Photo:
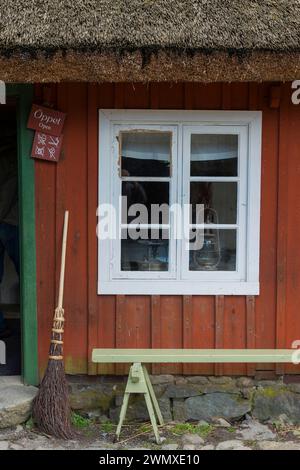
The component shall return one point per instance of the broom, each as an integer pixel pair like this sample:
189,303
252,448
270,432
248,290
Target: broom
51,408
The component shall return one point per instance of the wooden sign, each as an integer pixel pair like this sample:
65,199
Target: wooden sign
46,147
46,120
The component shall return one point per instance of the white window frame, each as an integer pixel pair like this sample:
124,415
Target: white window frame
180,281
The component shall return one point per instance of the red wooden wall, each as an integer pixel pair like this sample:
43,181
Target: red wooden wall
268,321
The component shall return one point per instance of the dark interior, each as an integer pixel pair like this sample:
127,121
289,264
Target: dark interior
9,284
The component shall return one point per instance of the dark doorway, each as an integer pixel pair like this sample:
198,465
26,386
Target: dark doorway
10,324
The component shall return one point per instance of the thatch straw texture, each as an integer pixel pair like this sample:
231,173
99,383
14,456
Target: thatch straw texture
124,40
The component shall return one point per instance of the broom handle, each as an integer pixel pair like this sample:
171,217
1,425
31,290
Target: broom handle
63,261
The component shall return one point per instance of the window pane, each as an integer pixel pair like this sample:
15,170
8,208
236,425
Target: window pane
144,250
213,250
152,199
219,201
145,153
214,155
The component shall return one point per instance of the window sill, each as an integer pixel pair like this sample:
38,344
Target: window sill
171,287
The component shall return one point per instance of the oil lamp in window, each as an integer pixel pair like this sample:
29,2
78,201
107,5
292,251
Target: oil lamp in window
209,256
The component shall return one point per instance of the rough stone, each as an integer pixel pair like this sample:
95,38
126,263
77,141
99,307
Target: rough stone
196,379
92,397
182,391
221,422
270,403
208,447
244,382
4,445
294,388
162,379
255,431
189,447
269,383
137,409
223,405
170,447
247,393
275,445
223,380
232,445
15,404
179,410
180,380
192,439
284,420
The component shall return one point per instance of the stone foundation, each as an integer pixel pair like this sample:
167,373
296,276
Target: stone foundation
192,398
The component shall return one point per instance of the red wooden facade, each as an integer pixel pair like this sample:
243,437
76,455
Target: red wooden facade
270,320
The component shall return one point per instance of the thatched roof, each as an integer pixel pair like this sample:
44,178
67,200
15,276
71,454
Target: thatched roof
149,40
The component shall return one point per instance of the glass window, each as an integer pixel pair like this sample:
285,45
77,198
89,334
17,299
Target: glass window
213,250
214,155
145,250
184,187
219,200
145,153
145,185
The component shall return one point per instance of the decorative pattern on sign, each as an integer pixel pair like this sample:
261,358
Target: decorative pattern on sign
46,146
48,125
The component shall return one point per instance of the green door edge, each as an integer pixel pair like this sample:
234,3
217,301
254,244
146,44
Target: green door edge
28,299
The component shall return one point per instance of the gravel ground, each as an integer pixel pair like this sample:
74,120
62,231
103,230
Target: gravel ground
88,434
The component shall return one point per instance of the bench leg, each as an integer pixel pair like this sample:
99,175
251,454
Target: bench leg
153,396
139,382
122,414
152,416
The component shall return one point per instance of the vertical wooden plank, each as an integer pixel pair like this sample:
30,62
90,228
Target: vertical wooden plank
155,328
119,96
154,95
250,312
203,96
92,196
265,303
132,324
219,329
45,186
120,369
291,327
239,95
136,95
71,194
282,222
189,96
250,300
234,330
172,329
253,96
106,311
203,329
167,96
187,328
226,96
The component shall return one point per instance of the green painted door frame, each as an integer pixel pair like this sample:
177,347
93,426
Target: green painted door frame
23,94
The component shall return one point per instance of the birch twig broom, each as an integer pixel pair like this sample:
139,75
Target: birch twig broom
51,408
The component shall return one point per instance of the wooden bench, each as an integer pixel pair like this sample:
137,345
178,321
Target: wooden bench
139,380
